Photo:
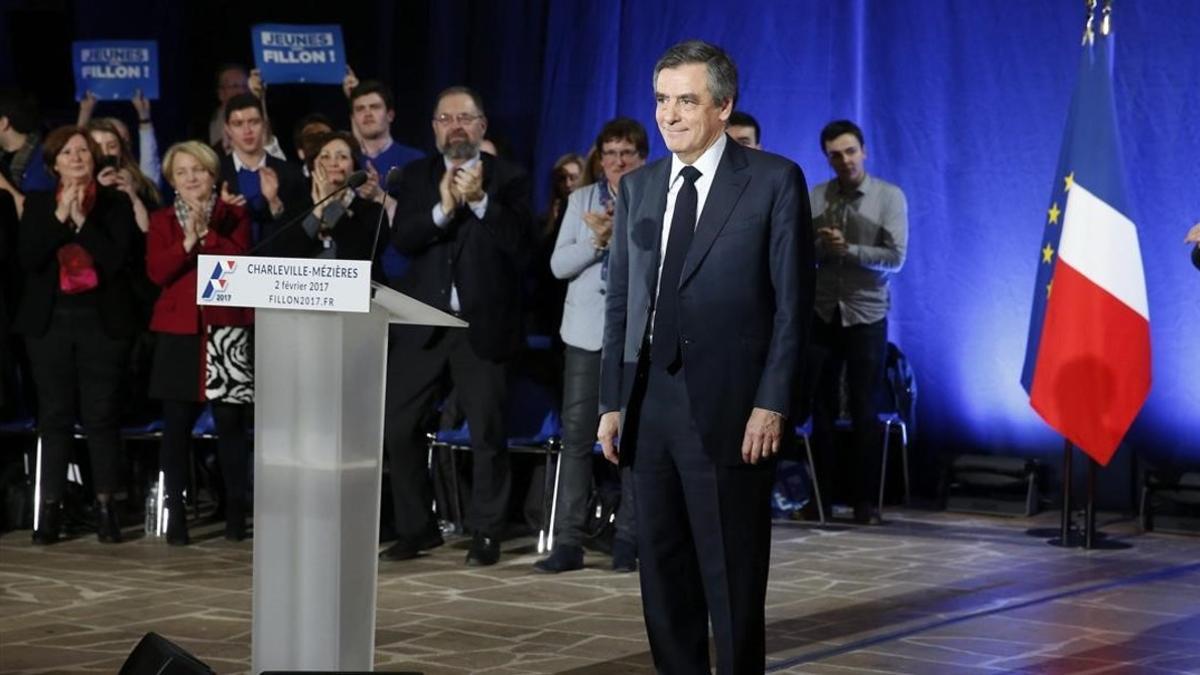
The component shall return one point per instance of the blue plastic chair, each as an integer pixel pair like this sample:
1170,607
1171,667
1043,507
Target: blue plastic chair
534,427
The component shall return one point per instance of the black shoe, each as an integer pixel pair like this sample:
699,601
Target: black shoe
235,522
49,524
867,514
564,558
177,527
484,551
108,526
407,548
624,556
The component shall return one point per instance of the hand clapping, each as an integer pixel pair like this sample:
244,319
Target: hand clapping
468,184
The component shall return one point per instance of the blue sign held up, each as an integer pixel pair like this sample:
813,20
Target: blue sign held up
295,53
115,69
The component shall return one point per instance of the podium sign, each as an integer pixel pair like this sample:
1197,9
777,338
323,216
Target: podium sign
284,283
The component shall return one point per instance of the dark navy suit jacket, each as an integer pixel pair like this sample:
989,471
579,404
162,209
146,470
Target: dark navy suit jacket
745,294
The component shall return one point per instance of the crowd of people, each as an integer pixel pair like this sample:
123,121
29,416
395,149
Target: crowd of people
104,234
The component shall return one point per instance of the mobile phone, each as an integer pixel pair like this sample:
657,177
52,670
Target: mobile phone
106,162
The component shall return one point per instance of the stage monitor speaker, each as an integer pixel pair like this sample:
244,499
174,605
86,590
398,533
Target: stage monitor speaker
1171,501
1005,486
156,655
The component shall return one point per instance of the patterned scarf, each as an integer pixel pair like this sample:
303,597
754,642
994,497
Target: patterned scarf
183,209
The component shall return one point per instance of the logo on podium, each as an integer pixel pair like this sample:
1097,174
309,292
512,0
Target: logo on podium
217,289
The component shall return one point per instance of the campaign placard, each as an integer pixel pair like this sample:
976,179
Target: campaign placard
296,53
284,283
115,70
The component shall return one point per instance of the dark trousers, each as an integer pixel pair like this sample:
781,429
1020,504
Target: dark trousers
861,349
413,380
704,540
580,416
77,366
232,447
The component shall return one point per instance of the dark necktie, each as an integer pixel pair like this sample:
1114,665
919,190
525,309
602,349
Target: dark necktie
664,350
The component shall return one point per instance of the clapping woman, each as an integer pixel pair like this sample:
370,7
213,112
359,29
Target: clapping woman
202,354
346,227
78,316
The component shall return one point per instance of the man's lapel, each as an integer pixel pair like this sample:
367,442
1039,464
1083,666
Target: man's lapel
649,220
723,195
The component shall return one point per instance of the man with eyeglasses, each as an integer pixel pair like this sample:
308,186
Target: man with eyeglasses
462,218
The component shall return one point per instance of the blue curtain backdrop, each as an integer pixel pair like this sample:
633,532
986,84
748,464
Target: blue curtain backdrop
963,104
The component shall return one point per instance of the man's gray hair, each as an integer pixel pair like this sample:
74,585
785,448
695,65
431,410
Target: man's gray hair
722,73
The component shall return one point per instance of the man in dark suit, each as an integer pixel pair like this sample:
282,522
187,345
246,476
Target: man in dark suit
462,218
709,293
273,190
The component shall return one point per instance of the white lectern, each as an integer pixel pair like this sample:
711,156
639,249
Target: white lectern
318,440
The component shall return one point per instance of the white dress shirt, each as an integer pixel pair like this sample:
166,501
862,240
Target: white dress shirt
706,164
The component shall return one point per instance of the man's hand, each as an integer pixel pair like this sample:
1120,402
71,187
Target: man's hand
446,192
601,225
255,83
231,198
1193,235
610,424
269,181
349,82
469,183
834,240
763,432
142,105
87,106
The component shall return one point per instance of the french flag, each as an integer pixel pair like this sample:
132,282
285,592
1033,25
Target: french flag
1087,360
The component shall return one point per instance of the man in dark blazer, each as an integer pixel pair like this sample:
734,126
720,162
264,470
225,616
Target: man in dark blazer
462,218
274,191
710,290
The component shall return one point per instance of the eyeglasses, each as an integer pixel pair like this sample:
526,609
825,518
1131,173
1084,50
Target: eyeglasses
462,118
614,154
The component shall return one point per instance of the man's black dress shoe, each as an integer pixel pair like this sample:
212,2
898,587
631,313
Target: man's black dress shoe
49,524
407,548
484,551
624,556
108,527
563,558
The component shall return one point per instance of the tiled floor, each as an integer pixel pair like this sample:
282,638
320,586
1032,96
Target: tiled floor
929,593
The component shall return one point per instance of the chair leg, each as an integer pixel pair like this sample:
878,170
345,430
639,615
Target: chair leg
887,435
904,460
546,536
158,506
812,474
37,484
459,519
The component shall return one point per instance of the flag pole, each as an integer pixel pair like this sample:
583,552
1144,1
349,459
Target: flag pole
1089,520
1065,533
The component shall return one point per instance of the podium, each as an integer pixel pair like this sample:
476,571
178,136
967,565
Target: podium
318,443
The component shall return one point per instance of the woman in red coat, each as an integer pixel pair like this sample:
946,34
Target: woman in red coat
202,354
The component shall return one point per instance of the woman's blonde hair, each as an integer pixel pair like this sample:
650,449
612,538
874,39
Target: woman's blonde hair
199,151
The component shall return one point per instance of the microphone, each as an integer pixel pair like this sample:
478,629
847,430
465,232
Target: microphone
391,182
354,180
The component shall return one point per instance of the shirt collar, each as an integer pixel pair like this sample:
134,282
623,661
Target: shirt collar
239,166
387,146
863,188
470,163
706,163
